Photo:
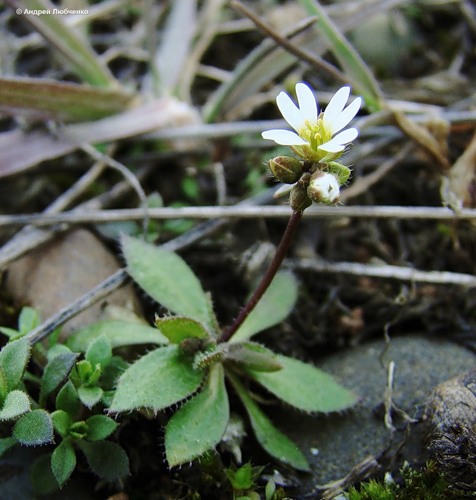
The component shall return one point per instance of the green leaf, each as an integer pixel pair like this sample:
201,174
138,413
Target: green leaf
28,320
16,403
200,423
6,444
166,278
3,386
254,356
90,396
63,461
62,421
34,428
177,328
271,439
55,373
68,399
13,359
159,379
305,387
274,307
119,334
99,351
106,459
100,427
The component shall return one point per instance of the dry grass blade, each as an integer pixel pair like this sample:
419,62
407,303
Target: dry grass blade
76,50
61,100
21,150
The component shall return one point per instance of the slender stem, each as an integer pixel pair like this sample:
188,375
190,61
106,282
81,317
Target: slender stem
268,276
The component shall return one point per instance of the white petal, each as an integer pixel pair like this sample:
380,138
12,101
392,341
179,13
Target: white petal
307,102
283,137
290,111
335,107
337,143
347,115
331,147
346,136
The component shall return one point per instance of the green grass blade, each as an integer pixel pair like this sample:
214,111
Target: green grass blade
355,68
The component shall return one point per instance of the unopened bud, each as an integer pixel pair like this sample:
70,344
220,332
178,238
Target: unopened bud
323,188
298,199
286,169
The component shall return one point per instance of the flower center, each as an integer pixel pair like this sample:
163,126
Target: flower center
315,133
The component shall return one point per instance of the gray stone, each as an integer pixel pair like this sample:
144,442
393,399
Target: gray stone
335,443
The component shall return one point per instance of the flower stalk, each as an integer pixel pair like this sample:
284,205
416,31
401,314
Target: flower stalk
273,268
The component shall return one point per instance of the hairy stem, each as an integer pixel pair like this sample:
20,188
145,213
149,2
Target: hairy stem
268,276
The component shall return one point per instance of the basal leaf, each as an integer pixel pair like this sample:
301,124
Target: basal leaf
305,387
254,356
157,380
271,439
67,399
16,403
166,278
34,428
100,427
55,373
14,357
106,459
99,351
90,396
274,307
201,422
63,461
178,328
119,333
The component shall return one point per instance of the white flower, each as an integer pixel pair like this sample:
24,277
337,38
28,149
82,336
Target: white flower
315,133
324,188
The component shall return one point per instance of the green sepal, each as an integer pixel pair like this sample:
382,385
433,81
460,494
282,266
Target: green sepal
340,171
167,278
67,399
159,379
200,423
106,459
55,373
275,305
6,444
270,438
90,396
16,403
34,428
253,356
100,427
99,351
63,461
305,387
14,357
179,328
62,422
119,334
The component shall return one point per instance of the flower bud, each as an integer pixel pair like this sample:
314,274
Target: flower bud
286,169
298,199
323,188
